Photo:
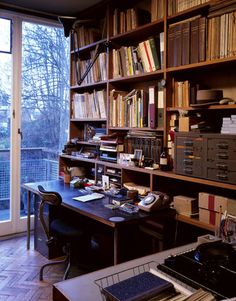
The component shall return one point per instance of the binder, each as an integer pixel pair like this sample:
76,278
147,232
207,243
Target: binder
152,108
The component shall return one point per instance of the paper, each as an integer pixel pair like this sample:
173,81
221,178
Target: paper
89,197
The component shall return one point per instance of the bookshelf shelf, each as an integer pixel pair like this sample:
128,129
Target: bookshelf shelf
187,13
212,72
88,87
88,47
88,120
195,222
212,107
139,33
139,78
203,65
135,128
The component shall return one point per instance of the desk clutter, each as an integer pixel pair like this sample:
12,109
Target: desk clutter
146,282
211,266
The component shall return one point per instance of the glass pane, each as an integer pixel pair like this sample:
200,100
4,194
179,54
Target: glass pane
45,102
5,35
5,99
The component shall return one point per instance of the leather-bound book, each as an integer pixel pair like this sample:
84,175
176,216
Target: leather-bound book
202,39
194,41
170,47
185,43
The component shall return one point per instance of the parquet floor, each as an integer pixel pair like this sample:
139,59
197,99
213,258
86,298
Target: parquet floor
19,272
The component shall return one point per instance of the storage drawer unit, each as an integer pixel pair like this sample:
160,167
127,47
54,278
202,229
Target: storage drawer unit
209,156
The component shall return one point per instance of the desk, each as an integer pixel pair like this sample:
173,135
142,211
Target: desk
94,209
83,288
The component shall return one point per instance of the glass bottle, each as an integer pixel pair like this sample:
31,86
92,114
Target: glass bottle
164,162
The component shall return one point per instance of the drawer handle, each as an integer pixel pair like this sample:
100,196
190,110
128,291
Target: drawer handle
188,162
188,170
222,156
222,177
222,145
222,166
188,152
188,143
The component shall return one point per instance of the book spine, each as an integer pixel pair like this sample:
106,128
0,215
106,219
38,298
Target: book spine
185,43
202,39
152,107
194,52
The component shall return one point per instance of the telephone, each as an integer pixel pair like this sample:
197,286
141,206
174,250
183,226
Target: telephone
155,200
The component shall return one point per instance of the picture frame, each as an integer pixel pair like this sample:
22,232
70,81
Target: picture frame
138,154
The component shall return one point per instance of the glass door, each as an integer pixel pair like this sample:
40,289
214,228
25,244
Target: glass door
5,123
34,104
44,103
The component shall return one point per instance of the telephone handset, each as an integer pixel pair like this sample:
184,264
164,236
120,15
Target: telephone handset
154,200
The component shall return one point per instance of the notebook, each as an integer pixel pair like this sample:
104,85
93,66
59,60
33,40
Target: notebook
89,197
140,287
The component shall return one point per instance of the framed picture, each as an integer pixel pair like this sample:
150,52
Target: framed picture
138,154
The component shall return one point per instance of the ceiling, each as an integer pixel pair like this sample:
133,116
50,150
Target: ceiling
50,7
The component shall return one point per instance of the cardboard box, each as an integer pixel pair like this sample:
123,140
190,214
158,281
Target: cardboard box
184,124
186,205
208,216
217,203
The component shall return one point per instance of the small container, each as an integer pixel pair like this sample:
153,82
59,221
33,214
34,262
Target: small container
67,178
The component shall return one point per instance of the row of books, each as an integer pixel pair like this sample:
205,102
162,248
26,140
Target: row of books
177,6
128,19
151,145
97,73
157,10
187,42
138,108
85,35
89,105
146,57
183,93
229,125
221,39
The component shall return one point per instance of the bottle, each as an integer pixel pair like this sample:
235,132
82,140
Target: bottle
164,162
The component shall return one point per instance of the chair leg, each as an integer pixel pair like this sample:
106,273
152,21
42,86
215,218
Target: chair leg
51,263
68,265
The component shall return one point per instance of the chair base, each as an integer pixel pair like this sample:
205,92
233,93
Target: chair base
66,259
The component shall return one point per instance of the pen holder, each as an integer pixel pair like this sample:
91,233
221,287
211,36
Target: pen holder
67,178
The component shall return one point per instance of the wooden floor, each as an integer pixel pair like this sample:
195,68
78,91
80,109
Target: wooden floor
19,272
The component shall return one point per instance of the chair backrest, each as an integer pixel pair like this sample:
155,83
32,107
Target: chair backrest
51,198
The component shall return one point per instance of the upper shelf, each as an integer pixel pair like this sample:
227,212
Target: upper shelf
212,107
139,33
87,87
203,65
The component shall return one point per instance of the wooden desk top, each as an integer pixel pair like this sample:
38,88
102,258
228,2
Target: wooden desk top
93,209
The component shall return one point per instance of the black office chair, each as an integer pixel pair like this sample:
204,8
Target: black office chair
58,229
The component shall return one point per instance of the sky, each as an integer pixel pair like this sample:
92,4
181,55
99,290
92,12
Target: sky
5,31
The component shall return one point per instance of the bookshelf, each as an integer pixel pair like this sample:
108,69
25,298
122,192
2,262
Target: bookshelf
125,65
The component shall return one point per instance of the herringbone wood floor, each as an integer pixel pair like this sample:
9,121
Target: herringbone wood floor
19,272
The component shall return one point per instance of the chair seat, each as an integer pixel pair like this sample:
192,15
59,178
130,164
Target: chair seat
65,231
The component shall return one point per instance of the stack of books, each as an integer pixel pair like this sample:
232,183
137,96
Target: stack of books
229,125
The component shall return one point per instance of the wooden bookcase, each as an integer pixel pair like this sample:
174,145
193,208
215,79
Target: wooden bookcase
213,71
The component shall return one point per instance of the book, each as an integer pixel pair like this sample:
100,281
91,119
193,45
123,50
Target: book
152,108
162,49
185,43
194,48
202,39
160,106
155,50
177,45
137,287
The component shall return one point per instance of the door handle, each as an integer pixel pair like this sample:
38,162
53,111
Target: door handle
20,133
